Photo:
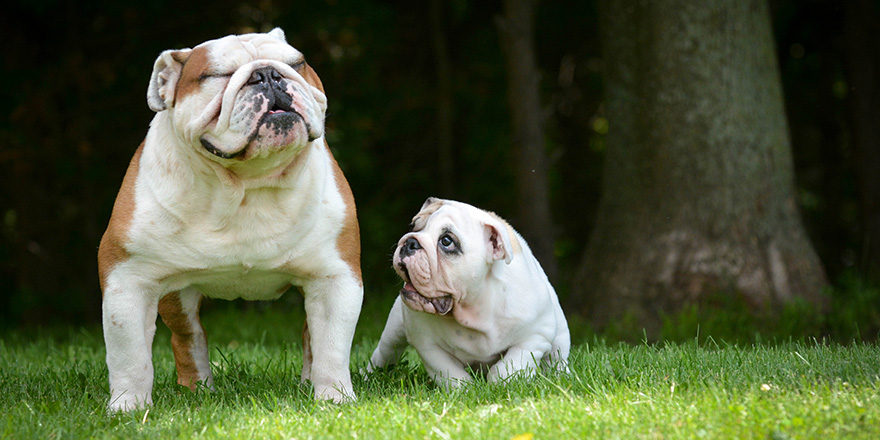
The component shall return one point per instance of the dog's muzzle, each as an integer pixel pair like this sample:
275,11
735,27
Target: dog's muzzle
270,82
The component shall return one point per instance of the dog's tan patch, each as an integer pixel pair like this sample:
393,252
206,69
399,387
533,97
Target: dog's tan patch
112,248
191,75
312,78
182,334
348,242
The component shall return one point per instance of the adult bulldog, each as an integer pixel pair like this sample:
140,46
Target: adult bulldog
473,297
233,194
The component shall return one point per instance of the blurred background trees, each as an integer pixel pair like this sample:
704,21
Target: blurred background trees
420,104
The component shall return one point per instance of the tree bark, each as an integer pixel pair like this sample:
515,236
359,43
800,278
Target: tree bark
534,219
698,190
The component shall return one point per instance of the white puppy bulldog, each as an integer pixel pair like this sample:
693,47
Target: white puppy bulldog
233,194
473,297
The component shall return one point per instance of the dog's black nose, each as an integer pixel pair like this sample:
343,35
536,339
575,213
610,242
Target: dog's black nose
410,246
265,75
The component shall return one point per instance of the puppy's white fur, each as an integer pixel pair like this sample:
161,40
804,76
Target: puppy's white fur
474,297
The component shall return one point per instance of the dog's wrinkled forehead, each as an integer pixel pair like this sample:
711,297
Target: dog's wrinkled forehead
233,51
428,209
223,57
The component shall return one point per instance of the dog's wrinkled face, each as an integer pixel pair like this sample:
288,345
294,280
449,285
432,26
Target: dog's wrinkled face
448,254
240,97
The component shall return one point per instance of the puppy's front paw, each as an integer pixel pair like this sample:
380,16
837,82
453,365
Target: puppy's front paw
334,394
503,371
449,383
128,402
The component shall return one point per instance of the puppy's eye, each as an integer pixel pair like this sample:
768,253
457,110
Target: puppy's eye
447,243
298,66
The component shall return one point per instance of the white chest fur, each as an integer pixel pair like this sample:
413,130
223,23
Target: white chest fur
230,238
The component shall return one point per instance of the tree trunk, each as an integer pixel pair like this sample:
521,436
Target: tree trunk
698,195
534,220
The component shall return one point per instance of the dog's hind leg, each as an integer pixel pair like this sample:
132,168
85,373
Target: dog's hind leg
307,353
180,312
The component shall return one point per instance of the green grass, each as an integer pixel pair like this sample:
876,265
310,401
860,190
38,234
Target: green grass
55,386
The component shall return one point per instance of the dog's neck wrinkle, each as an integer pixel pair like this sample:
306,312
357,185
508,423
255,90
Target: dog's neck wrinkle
230,198
287,174
271,172
469,316
474,311
222,190
226,197
227,178
231,176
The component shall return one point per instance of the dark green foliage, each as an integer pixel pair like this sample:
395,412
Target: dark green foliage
853,315
73,110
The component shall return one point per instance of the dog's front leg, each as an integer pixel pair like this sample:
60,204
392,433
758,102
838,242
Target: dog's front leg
332,307
446,371
129,319
524,357
393,340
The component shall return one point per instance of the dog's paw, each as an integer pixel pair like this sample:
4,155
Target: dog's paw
128,402
335,395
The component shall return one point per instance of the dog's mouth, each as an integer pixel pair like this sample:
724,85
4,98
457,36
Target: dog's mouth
279,102
277,125
415,300
213,149
280,118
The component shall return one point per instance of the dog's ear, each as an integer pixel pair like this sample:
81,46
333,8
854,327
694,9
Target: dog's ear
163,80
428,208
312,78
317,87
430,201
498,243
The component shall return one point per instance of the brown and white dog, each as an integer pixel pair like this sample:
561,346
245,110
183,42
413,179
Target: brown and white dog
233,194
474,297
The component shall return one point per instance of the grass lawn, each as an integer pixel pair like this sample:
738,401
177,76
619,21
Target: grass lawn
55,386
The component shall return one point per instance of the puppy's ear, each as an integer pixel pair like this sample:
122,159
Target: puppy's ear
430,201
498,243
163,80
428,208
